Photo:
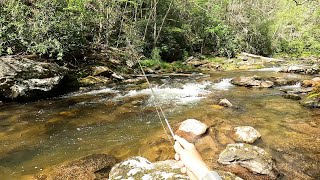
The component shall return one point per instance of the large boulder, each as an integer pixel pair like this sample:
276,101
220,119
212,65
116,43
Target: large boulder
191,129
140,168
246,134
251,157
91,167
24,79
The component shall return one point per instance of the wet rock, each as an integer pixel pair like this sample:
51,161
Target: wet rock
253,81
134,80
90,167
228,176
24,79
191,129
246,134
266,84
291,96
225,103
298,91
251,157
311,83
94,80
301,69
141,168
116,77
311,101
101,71
281,81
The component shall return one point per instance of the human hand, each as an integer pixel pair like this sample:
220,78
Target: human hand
189,159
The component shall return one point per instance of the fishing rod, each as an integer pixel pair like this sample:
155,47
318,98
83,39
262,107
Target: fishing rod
157,106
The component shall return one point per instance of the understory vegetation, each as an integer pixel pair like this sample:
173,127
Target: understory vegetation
162,30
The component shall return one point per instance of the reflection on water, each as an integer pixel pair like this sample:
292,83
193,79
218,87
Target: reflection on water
37,135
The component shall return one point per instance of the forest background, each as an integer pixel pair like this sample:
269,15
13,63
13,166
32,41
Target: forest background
167,30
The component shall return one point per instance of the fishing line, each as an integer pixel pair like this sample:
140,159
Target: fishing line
158,107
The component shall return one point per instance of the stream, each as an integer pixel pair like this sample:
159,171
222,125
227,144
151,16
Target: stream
117,121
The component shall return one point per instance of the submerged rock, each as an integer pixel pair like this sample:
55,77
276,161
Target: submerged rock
24,79
251,157
291,96
92,167
225,103
246,134
191,129
140,168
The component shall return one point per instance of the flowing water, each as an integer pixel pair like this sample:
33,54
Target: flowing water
38,135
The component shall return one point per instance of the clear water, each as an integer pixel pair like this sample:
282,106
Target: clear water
38,135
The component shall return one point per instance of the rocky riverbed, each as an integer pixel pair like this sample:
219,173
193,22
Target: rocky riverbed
253,124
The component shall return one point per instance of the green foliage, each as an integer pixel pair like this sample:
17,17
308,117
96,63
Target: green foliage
168,30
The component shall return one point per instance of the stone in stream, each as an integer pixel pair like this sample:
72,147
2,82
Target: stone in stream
92,167
140,168
25,79
191,129
311,102
301,69
225,103
246,134
251,157
253,81
311,83
291,96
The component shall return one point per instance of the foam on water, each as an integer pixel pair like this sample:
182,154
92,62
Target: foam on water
295,86
224,84
189,93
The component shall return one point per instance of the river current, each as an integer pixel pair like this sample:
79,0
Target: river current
118,120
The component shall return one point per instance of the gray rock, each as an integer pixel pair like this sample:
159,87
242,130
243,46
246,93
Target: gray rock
90,168
21,78
251,157
141,168
301,69
191,129
225,103
246,134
